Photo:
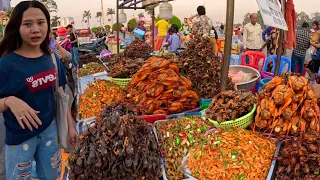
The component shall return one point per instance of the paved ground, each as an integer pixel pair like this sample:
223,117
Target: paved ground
2,136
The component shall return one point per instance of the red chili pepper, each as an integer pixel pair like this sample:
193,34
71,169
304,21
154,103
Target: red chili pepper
195,132
218,131
163,152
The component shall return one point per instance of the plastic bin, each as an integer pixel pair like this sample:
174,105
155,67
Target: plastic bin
122,82
138,33
205,103
83,82
242,122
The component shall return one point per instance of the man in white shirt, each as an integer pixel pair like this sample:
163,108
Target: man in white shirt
252,35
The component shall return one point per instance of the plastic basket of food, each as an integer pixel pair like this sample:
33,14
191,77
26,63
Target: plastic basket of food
242,122
230,153
175,137
122,82
153,118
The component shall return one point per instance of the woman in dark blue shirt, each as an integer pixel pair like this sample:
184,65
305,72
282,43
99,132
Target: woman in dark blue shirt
27,79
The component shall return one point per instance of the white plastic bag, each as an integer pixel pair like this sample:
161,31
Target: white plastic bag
308,55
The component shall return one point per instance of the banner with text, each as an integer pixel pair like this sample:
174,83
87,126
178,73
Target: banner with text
271,14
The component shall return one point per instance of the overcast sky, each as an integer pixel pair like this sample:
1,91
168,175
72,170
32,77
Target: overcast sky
216,9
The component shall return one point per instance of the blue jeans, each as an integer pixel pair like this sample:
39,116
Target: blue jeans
43,149
297,60
75,56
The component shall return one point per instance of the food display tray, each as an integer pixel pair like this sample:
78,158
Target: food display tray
271,173
83,82
164,176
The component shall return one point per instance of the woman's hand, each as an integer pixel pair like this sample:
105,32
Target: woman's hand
24,114
73,136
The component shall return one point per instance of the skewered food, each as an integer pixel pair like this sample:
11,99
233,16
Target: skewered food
159,87
176,137
121,147
91,68
299,158
231,154
98,94
137,49
287,105
199,64
230,105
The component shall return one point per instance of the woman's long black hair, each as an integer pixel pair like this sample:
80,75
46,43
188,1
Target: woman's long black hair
12,39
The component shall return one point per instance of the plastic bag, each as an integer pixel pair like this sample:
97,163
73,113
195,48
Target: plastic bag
308,55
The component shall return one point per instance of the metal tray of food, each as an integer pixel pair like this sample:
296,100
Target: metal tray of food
157,138
273,166
83,82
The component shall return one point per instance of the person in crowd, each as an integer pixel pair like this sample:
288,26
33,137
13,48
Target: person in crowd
299,53
163,27
222,29
124,31
252,39
267,33
63,40
175,27
185,27
174,40
27,81
75,47
313,66
202,24
141,26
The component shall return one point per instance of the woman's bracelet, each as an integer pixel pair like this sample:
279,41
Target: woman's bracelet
4,102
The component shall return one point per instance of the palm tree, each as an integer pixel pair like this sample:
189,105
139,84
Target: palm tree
111,12
150,13
141,15
55,21
87,15
99,16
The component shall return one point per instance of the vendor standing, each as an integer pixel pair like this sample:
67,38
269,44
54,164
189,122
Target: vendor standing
252,34
202,24
163,27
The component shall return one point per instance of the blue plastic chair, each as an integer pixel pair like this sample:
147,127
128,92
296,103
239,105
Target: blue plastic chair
284,60
234,59
261,83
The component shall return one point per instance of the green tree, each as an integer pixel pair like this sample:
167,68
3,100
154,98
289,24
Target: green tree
141,15
157,19
260,20
55,21
133,23
50,4
175,20
99,16
87,15
246,19
95,29
316,16
116,27
302,17
111,12
107,27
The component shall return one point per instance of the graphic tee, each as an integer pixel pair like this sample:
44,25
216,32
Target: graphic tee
33,81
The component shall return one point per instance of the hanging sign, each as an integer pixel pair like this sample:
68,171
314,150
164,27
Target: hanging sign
272,14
